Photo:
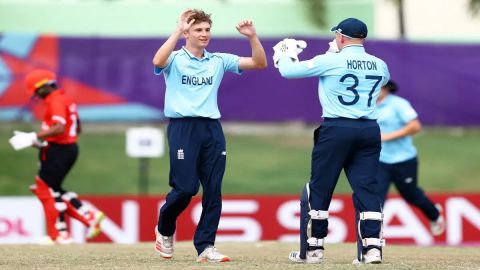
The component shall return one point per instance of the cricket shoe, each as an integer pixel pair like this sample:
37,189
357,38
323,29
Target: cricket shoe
45,241
64,238
313,256
373,256
437,227
164,245
94,219
210,254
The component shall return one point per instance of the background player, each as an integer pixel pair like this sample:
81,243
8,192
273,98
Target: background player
349,138
58,153
195,136
398,121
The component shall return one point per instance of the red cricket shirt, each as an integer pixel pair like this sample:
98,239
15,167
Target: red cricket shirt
61,108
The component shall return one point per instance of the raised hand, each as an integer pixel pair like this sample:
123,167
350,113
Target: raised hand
246,28
183,24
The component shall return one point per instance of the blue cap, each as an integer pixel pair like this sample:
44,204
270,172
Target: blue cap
351,27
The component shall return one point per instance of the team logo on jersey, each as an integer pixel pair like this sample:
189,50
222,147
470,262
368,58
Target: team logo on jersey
408,180
180,154
194,80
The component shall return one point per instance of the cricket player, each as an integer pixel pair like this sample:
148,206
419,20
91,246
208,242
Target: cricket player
195,136
57,141
398,121
349,138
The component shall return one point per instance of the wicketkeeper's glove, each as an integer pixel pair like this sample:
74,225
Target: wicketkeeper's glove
288,48
21,140
333,48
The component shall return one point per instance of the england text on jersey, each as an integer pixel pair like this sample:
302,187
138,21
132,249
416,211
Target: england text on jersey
361,64
193,80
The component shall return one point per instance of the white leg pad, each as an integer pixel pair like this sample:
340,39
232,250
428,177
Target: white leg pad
318,214
371,216
373,242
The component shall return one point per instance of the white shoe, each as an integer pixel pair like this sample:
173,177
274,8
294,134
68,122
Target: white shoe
64,238
373,256
95,218
313,256
210,254
437,227
45,240
164,245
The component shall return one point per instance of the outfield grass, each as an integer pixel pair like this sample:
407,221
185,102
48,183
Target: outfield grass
264,164
259,255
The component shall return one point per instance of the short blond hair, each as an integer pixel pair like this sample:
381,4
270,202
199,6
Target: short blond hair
200,16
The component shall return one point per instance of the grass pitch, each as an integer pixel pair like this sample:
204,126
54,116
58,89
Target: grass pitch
259,255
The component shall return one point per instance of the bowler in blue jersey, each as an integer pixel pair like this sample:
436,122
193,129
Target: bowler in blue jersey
398,122
195,136
349,138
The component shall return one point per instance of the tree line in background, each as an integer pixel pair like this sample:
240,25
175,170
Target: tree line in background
317,9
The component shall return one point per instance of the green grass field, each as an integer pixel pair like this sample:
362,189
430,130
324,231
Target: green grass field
278,163
259,255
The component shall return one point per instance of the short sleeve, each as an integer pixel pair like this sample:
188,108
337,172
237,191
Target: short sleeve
406,111
386,72
230,62
166,69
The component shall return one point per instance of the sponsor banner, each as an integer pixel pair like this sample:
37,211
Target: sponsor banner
21,220
132,219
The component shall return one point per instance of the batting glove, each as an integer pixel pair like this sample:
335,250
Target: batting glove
21,140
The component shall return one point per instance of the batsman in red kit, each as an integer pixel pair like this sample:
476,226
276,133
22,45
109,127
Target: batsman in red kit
57,141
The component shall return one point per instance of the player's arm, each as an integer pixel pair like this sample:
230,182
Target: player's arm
291,69
160,59
259,58
56,129
59,116
411,128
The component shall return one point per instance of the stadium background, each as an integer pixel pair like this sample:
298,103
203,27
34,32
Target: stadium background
102,51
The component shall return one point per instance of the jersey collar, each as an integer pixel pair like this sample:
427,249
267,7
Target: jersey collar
353,48
206,55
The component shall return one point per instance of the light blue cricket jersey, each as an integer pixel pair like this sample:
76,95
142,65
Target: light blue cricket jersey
394,113
349,84
192,83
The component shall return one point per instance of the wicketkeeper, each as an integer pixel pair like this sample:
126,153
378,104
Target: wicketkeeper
348,139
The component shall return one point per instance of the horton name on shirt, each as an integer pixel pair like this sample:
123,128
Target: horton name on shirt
361,64
193,80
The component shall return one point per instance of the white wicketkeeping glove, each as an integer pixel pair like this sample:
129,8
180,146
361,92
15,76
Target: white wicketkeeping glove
288,48
23,140
333,48
298,44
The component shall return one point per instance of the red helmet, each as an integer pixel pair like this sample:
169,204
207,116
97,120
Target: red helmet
38,78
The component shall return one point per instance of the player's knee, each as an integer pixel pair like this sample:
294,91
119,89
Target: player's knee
185,193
